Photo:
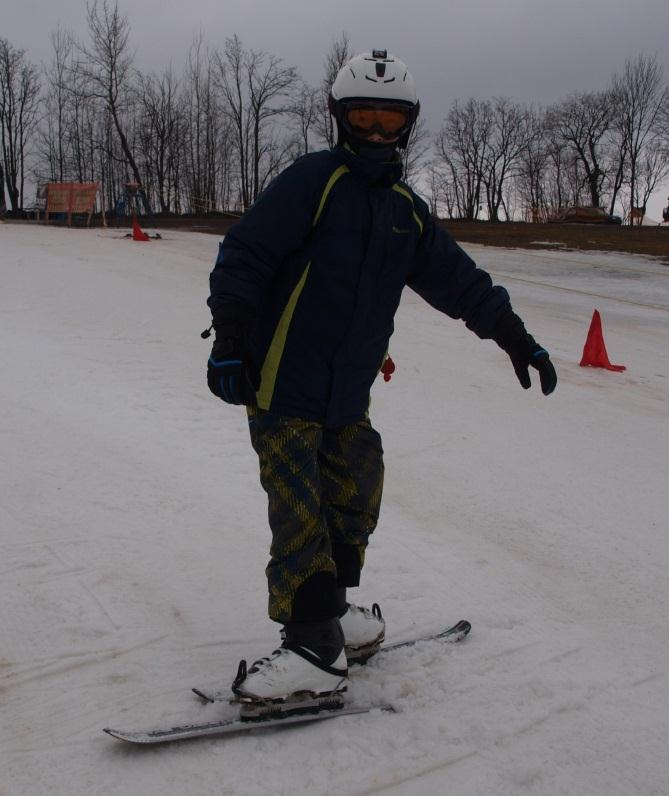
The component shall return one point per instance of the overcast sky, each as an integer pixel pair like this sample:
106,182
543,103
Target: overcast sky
529,50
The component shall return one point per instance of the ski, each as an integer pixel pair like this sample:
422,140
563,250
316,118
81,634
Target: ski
450,635
230,726
235,725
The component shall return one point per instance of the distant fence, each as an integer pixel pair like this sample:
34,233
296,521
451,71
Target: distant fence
69,199
202,205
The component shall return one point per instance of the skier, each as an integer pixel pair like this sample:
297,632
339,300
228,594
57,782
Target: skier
303,296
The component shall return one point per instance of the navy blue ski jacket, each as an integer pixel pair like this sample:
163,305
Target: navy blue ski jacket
321,260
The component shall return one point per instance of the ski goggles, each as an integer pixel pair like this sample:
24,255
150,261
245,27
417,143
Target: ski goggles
389,121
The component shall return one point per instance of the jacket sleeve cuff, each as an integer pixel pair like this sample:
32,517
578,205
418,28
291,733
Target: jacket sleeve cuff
232,316
509,332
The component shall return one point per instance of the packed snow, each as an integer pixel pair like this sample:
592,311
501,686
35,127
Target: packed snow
134,538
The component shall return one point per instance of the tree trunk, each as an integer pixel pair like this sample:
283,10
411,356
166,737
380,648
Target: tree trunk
3,205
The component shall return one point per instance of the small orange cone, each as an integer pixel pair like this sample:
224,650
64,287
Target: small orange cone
137,233
594,351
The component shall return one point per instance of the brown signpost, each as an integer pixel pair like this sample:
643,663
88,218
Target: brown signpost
71,198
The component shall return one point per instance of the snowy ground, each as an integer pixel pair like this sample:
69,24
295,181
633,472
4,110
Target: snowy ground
133,538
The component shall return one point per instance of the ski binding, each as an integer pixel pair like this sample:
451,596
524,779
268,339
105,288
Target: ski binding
450,635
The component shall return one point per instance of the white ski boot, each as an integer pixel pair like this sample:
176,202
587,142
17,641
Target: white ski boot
289,682
307,674
364,631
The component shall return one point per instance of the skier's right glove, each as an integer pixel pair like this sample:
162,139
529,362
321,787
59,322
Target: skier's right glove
232,375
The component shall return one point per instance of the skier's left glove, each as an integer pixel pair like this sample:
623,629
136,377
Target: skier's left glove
232,375
524,352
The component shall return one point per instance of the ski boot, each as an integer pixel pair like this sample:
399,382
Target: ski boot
364,631
307,674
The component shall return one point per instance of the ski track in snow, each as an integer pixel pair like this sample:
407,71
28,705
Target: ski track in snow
133,538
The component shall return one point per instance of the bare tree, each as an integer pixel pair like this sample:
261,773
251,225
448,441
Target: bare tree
304,109
89,131
440,189
643,101
582,122
107,66
53,133
617,149
565,180
3,201
417,148
161,127
268,80
207,127
651,171
255,85
462,146
507,137
338,54
532,172
19,99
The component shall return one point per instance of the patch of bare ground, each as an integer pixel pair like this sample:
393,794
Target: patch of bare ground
652,241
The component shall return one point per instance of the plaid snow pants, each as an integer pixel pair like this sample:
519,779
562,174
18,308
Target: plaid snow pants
324,491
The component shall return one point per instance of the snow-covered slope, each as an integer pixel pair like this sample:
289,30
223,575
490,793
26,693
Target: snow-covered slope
133,538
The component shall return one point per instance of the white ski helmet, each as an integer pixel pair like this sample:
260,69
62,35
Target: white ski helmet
378,79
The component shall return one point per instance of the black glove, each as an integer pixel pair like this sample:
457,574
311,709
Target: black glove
231,373
524,351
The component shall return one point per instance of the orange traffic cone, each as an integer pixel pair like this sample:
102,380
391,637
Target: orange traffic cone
594,351
137,232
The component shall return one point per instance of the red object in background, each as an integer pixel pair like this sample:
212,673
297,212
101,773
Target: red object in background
388,368
137,233
594,351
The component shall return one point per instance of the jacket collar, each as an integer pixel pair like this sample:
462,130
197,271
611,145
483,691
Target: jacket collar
375,172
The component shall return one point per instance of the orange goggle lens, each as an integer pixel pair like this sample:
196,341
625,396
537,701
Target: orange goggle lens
386,121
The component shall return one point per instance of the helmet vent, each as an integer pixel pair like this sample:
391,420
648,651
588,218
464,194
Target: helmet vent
380,69
371,79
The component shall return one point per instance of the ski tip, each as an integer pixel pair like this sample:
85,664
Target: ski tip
141,738
458,632
118,734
